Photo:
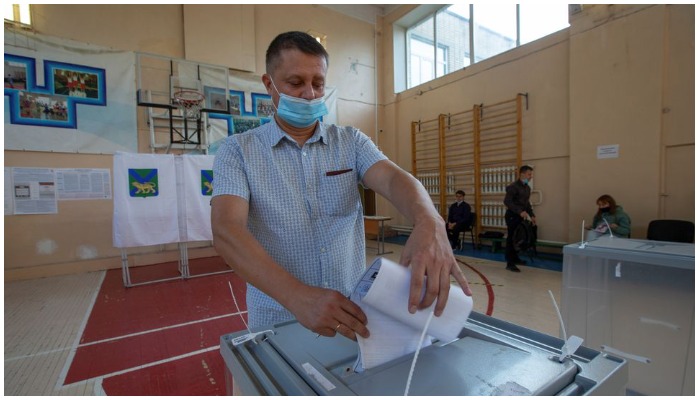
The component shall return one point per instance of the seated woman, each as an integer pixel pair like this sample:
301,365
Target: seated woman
610,216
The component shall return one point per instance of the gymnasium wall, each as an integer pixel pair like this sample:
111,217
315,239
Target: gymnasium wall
620,75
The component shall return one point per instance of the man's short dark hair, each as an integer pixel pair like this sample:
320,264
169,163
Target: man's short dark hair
525,168
460,192
292,40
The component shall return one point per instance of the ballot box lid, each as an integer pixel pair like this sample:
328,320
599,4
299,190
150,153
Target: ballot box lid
669,254
293,361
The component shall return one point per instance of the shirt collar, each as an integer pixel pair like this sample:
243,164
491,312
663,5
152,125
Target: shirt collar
276,134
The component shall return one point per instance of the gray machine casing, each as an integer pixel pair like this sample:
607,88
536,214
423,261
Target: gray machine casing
490,357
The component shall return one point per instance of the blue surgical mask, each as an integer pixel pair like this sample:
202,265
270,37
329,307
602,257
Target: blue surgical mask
298,112
525,181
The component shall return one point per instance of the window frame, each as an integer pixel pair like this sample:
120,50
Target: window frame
17,14
402,42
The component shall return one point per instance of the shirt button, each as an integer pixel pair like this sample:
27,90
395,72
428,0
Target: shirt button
323,249
303,154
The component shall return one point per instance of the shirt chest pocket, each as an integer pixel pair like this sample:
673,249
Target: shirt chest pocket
339,194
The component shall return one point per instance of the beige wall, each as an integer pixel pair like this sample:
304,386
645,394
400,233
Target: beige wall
643,65
620,75
540,69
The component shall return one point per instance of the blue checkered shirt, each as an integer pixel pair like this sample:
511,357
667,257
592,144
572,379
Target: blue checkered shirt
308,221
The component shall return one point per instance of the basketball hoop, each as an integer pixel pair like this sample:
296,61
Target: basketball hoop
190,103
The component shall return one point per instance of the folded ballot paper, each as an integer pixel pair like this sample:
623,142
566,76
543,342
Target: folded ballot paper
382,293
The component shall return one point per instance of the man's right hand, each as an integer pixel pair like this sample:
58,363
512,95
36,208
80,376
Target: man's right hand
328,312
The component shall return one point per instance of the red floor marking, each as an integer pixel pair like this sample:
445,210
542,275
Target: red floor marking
198,375
489,288
120,311
103,358
170,269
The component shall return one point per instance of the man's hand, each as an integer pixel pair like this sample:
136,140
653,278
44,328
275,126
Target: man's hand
430,256
427,251
451,225
326,312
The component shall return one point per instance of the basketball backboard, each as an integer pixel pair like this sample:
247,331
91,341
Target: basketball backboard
158,78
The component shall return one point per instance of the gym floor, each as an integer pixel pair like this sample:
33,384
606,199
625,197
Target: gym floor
85,334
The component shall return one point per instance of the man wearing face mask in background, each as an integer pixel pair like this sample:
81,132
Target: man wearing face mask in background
518,205
302,257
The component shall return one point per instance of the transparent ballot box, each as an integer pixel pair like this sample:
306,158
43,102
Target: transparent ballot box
636,299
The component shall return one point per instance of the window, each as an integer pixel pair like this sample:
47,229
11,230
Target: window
18,13
453,37
495,30
421,50
539,20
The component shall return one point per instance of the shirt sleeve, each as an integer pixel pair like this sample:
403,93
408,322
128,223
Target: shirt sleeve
623,225
368,153
229,171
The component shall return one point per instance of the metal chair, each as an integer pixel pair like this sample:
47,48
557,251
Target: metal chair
671,230
469,229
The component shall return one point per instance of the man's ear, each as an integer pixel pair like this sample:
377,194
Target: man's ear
267,81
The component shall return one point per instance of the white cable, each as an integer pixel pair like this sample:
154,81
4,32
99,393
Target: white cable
415,355
561,320
240,314
238,340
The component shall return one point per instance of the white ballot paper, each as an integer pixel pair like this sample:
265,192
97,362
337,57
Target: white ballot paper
382,293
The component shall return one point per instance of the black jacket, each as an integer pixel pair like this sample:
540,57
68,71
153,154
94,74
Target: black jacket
459,213
518,198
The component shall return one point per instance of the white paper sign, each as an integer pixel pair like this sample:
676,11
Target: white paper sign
83,183
34,190
609,151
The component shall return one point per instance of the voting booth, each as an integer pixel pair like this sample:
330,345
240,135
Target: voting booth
635,298
489,357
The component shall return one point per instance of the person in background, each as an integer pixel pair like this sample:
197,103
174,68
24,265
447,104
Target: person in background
518,206
302,256
458,219
615,216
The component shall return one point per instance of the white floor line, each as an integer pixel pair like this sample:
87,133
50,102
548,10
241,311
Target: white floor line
98,390
159,329
154,363
41,353
69,360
